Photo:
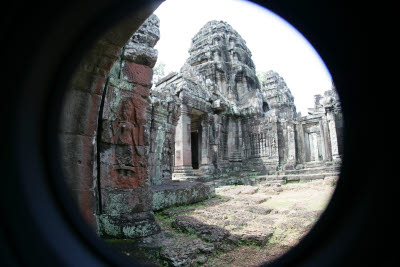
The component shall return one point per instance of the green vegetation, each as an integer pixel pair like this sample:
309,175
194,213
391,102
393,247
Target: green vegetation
261,75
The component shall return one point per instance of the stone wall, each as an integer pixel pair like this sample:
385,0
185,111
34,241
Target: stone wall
164,118
84,101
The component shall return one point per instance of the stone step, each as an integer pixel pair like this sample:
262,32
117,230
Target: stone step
305,177
180,193
314,164
274,182
297,177
315,170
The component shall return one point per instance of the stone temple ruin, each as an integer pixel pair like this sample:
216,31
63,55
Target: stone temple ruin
131,147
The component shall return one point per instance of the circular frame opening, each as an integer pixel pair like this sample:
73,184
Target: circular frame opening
37,194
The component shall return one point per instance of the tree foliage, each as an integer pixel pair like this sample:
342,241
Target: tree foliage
158,72
261,75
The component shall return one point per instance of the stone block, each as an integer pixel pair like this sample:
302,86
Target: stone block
181,193
136,73
125,201
86,201
78,161
127,177
95,62
77,148
128,226
90,83
123,155
141,54
80,113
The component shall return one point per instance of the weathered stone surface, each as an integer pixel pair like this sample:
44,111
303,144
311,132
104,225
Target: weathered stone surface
209,233
181,193
238,122
185,254
164,118
128,225
79,120
126,201
80,113
124,147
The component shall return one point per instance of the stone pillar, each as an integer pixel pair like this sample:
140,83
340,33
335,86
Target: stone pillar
322,125
291,160
205,145
183,150
126,198
332,133
327,140
240,139
313,146
80,115
231,136
214,139
235,158
302,143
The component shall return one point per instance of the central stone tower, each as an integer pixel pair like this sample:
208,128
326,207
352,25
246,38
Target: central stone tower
220,55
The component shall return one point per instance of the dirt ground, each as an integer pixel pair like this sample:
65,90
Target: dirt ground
243,226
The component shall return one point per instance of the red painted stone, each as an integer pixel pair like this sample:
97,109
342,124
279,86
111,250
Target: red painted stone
99,85
127,177
142,91
87,205
137,73
93,114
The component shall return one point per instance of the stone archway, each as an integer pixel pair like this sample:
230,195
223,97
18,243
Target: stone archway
103,129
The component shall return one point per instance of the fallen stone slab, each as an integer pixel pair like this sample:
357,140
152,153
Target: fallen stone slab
185,253
209,233
259,210
180,193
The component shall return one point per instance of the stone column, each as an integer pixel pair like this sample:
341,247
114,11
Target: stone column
231,136
240,139
214,139
327,140
324,137
313,146
233,144
123,141
303,145
332,133
291,160
183,150
205,145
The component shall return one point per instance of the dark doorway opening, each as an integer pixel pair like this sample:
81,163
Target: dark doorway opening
265,107
195,149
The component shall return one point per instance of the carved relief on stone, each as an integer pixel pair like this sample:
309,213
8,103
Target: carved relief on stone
128,163
126,129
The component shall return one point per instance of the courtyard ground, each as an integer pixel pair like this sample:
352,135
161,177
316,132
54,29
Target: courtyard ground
242,226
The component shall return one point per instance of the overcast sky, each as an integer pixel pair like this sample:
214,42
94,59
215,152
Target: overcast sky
274,43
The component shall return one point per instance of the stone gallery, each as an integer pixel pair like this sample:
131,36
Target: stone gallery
131,147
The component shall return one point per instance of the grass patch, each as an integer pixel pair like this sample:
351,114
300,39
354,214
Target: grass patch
292,182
